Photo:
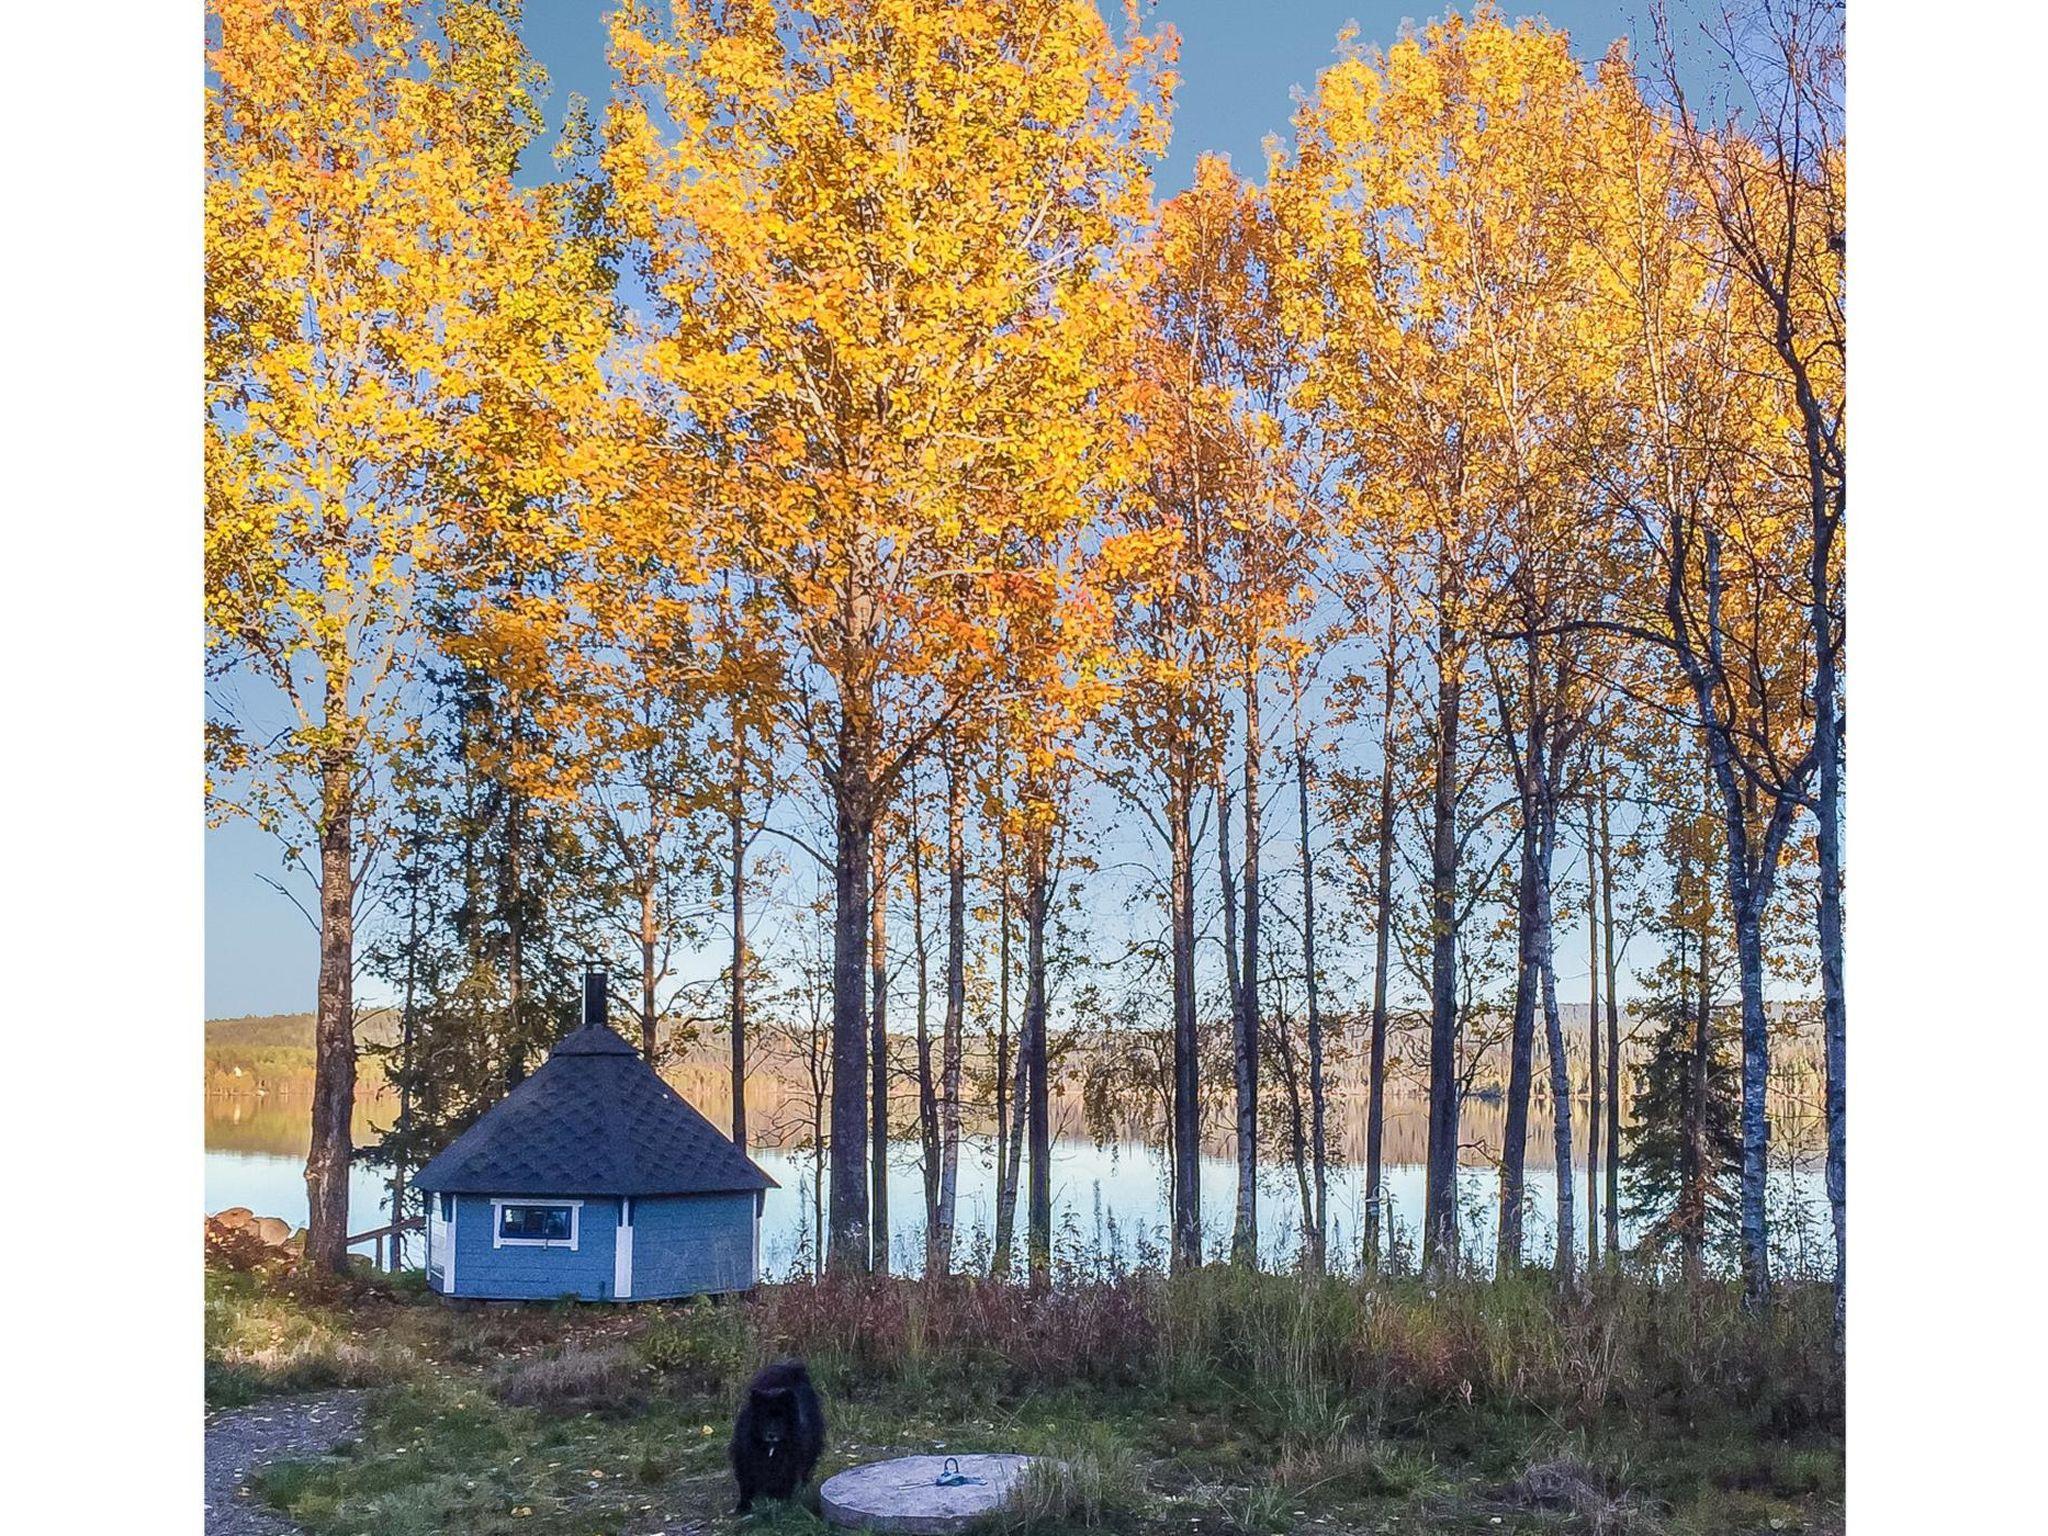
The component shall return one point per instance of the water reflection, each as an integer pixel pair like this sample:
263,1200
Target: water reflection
1109,1202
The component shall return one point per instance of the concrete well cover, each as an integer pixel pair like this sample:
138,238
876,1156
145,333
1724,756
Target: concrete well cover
905,1495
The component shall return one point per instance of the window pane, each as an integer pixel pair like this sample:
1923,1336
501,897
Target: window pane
548,1223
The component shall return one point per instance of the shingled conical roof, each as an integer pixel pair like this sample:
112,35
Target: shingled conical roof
594,1120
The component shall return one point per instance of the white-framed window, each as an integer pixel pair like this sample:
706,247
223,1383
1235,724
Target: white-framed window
536,1223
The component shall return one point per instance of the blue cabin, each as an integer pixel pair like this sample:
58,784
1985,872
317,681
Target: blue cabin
594,1179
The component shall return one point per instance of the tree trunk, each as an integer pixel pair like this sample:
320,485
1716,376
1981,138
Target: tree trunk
1613,969
1008,1108
1521,1050
1751,867
334,1037
1698,1161
878,1059
515,944
1244,1083
406,1035
1318,1146
738,1021
1244,1241
1756,1128
1037,896
1006,1197
1440,1203
1553,1034
1690,1216
1827,744
1187,1101
1383,929
650,939
956,1012
1297,1133
853,827
927,1080
1592,1050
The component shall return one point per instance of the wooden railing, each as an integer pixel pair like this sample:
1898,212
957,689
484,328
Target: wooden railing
384,1238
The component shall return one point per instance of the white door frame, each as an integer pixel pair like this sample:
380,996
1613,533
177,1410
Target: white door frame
622,1253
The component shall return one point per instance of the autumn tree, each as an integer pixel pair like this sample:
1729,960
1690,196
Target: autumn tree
362,225
1409,177
870,230
1772,172
1216,379
1716,498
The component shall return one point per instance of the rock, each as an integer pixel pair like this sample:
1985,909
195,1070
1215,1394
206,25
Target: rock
905,1495
274,1231
235,1217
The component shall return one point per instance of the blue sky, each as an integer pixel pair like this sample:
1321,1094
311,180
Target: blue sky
1240,63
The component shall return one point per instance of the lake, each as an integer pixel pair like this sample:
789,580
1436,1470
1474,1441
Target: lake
1108,1200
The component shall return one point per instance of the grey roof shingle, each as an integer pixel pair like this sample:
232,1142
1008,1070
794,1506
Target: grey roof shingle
594,1120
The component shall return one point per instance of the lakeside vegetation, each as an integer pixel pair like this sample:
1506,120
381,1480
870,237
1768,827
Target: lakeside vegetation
1220,1399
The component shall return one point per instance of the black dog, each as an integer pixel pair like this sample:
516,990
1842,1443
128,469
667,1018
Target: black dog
780,1431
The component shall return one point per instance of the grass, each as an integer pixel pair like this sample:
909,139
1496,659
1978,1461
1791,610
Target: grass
1218,1401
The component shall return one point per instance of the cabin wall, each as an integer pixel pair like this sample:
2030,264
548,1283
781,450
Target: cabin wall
534,1274
683,1245
688,1245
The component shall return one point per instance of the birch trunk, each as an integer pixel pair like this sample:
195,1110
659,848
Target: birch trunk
650,942
1007,1105
1827,743
927,1081
1187,1104
1613,969
951,1049
515,945
1383,928
878,1060
1244,1239
1038,1096
1243,1086
1592,1050
737,1022
334,1038
1521,1052
1440,1200
1319,1238
853,828
1553,1034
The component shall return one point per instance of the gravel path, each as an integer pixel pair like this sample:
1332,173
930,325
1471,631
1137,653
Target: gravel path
243,1439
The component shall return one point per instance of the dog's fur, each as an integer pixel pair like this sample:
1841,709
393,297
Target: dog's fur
779,1434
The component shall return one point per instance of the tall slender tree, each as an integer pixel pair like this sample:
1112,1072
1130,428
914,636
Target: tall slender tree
340,143
1407,206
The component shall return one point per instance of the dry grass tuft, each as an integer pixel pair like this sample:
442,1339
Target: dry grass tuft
1568,1484
579,1379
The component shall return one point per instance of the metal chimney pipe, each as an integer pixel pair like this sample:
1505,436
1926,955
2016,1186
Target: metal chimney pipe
593,994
